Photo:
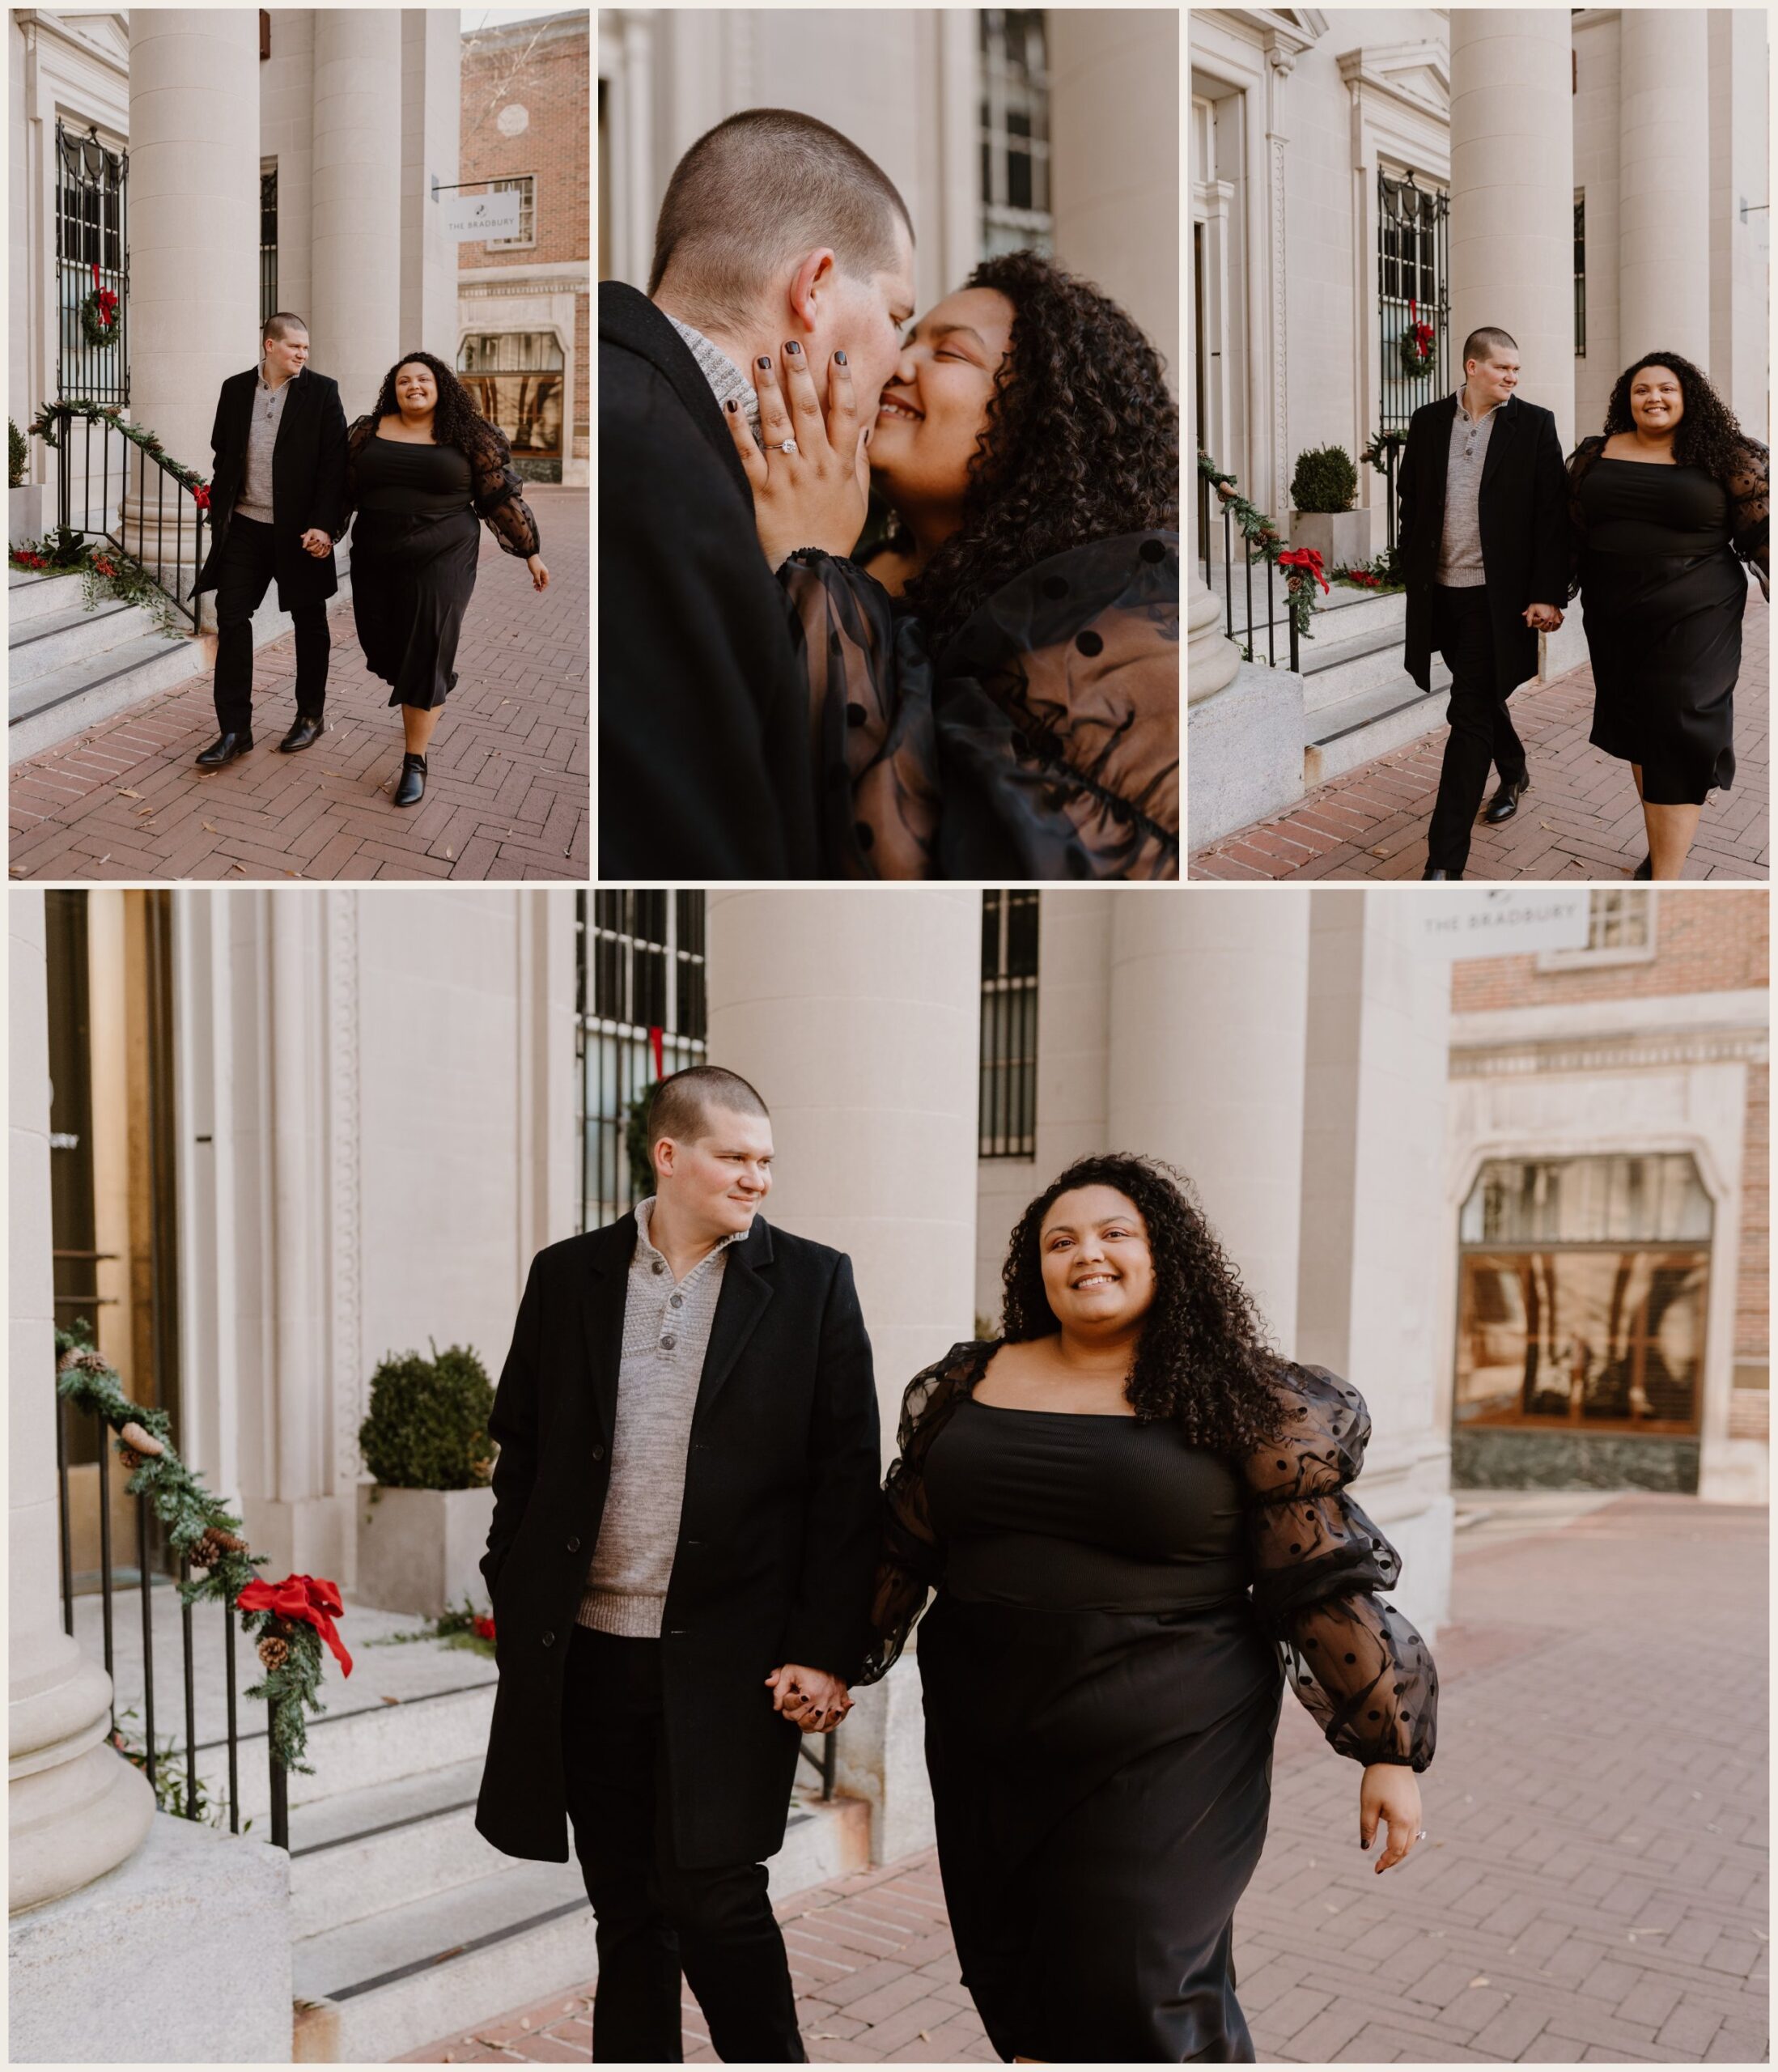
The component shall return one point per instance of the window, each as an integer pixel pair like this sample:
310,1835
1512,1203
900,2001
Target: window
92,193
267,242
1008,1095
1015,131
524,186
640,1014
1583,1289
515,380
1620,930
1580,276
1413,246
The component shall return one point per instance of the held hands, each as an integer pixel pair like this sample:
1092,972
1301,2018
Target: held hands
1392,1792
817,495
809,1698
1541,618
317,542
540,576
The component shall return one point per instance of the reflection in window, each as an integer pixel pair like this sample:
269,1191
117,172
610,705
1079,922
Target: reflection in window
514,379
1015,131
1619,918
1008,1097
1584,1288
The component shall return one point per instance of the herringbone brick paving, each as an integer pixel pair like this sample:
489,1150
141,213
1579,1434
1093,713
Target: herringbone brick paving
508,785
1580,818
1592,1890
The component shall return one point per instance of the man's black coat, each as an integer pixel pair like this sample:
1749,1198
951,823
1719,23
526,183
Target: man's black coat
308,480
703,730
1524,514
778,1536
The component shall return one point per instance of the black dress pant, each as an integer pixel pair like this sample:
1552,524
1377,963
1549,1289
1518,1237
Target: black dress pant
243,575
1481,731
655,1916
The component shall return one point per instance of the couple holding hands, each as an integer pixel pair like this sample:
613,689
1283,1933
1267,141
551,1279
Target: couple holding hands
1132,1518
415,479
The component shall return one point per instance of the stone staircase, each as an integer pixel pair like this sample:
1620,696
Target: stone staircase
68,668
1358,700
406,1926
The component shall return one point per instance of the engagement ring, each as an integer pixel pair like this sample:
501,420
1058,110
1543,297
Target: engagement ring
785,445
1420,1835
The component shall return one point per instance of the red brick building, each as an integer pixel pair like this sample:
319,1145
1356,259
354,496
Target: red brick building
523,302
1608,1158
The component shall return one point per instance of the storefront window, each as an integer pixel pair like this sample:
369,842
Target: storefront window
1584,1288
514,378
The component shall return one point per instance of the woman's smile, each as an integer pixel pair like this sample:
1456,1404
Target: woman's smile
892,406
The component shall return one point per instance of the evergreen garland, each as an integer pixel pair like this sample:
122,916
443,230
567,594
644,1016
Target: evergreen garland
43,426
201,1528
1262,533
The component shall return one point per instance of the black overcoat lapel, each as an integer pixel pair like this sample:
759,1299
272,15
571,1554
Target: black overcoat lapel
1500,443
1440,459
602,1294
295,403
631,319
746,1292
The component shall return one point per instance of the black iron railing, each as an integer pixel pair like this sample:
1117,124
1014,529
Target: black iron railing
823,1763
1239,622
163,532
150,1753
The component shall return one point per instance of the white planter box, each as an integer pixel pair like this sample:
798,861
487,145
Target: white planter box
24,514
1340,537
418,1550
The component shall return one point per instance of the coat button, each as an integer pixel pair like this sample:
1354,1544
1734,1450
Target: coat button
694,1542
549,1640
675,1632
598,1453
574,1546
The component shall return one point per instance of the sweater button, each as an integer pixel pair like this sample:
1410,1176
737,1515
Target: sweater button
668,1343
549,1640
659,1267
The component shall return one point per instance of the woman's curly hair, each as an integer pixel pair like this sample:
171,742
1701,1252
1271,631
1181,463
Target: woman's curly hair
1203,1359
1708,436
1081,443
455,422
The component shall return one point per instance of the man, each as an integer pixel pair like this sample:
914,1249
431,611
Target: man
1484,547
776,232
680,1562
277,499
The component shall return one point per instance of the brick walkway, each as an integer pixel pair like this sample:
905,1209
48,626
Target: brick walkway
1580,818
507,788
1593,1889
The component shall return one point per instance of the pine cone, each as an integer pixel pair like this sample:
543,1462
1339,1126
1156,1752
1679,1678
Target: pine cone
212,1545
273,1652
130,1458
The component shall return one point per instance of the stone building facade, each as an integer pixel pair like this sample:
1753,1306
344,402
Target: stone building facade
523,303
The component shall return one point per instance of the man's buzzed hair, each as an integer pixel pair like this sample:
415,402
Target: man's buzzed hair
281,323
755,192
1483,344
680,1106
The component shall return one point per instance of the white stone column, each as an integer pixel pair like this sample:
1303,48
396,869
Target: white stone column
75,1808
431,107
1114,136
856,1014
193,239
1512,194
1208,1006
1663,183
354,331
1375,1233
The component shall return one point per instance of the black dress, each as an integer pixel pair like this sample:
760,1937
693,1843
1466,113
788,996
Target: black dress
1042,742
415,541
1663,596
1117,1612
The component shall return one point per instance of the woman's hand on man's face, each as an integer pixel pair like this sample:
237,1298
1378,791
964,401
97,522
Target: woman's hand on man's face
815,494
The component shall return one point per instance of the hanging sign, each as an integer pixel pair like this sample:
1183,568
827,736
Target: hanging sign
1500,921
475,216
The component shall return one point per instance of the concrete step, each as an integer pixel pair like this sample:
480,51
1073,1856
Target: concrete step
52,641
1342,614
1337,670
1382,717
355,1854
443,1961
64,702
30,596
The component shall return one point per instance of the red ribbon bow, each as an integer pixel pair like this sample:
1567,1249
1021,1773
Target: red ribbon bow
311,1599
96,276
201,497
1308,557
653,1044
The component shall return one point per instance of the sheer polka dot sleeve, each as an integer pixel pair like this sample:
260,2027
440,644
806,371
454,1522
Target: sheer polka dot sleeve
1364,1675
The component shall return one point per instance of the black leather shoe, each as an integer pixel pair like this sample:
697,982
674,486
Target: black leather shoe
309,729
1505,801
1432,871
1646,868
410,786
224,749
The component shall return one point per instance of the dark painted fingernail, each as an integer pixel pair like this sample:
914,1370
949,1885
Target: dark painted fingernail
839,357
793,347
764,361
731,406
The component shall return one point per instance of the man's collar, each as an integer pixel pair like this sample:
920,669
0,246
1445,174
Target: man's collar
726,381
1463,412
646,1249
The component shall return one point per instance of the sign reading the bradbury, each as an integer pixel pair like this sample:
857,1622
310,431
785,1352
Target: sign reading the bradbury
1503,921
472,217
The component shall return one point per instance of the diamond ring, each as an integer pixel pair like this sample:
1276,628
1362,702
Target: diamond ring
785,445
1420,1834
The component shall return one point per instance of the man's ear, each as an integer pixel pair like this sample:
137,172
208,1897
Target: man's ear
813,286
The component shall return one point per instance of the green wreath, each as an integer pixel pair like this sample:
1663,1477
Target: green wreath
99,315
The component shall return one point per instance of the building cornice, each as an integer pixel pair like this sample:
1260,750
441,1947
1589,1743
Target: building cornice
84,33
1375,67
1284,35
1644,1053
1586,1022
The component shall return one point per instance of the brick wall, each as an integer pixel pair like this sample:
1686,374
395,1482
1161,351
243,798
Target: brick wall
1705,942
543,67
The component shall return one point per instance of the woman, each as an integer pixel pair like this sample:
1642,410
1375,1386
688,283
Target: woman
420,470
1129,1509
998,697
1663,504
